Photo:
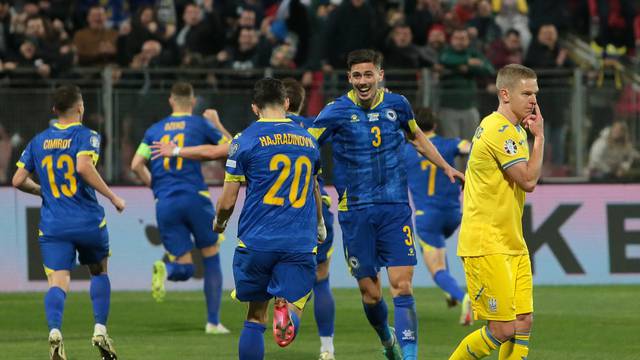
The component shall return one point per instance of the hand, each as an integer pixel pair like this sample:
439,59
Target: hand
453,173
118,202
322,231
474,62
534,122
217,227
212,115
44,70
161,149
152,27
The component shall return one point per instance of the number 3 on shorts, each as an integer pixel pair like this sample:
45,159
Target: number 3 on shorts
407,230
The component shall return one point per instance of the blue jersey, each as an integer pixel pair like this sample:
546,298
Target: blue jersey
430,186
277,159
307,122
368,150
174,175
68,203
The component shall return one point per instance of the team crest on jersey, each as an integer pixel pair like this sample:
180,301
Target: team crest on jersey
493,304
373,116
478,133
233,149
354,118
94,141
354,263
510,147
391,115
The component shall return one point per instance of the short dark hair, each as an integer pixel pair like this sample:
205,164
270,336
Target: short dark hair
65,97
268,91
364,56
295,92
182,89
426,119
512,31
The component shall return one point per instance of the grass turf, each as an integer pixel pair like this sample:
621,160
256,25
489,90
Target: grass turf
571,323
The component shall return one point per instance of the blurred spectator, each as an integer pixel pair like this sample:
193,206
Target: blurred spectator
554,12
463,67
507,50
353,25
96,44
201,34
247,54
298,24
20,16
149,56
142,27
282,57
464,10
636,33
482,28
512,14
28,57
49,44
246,19
545,52
420,21
613,22
435,44
5,28
399,51
612,154
6,149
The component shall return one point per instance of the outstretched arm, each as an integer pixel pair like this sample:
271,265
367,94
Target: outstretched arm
24,183
200,152
428,150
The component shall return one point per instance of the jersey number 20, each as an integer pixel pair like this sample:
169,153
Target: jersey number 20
271,198
67,190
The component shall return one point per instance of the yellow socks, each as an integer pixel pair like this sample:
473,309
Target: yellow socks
515,349
476,345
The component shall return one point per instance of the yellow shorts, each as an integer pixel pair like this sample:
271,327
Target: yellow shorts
500,286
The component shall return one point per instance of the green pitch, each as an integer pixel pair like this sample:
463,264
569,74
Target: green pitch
581,322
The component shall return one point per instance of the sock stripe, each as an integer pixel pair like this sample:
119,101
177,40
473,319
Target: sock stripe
489,335
520,342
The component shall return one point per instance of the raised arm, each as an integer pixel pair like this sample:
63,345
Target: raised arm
90,175
200,152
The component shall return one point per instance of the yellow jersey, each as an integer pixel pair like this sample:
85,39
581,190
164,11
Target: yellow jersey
493,203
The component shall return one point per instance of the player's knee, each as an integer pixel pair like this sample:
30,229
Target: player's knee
525,322
401,287
96,269
502,330
370,295
182,272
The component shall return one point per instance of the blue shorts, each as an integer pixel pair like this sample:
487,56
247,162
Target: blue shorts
326,248
59,250
261,275
184,214
435,225
377,236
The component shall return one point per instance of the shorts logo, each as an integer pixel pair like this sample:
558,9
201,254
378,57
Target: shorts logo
411,252
233,149
493,305
353,262
95,142
510,147
408,335
391,115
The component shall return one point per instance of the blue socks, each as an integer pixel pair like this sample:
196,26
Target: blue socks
324,307
295,319
377,316
212,287
179,272
54,307
100,292
447,283
406,323
251,344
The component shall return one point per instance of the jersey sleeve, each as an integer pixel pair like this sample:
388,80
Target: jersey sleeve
325,124
236,160
406,117
213,135
26,159
504,146
459,144
89,145
143,149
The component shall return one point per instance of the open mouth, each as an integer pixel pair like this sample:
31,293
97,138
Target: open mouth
364,92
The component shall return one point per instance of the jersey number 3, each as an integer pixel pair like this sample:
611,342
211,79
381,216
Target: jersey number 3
67,190
271,198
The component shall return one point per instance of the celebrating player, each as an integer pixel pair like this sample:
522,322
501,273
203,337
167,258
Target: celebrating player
183,207
281,219
71,220
324,306
365,128
491,244
437,203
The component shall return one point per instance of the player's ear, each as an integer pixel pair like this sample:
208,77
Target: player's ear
287,103
171,101
381,73
504,95
255,110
